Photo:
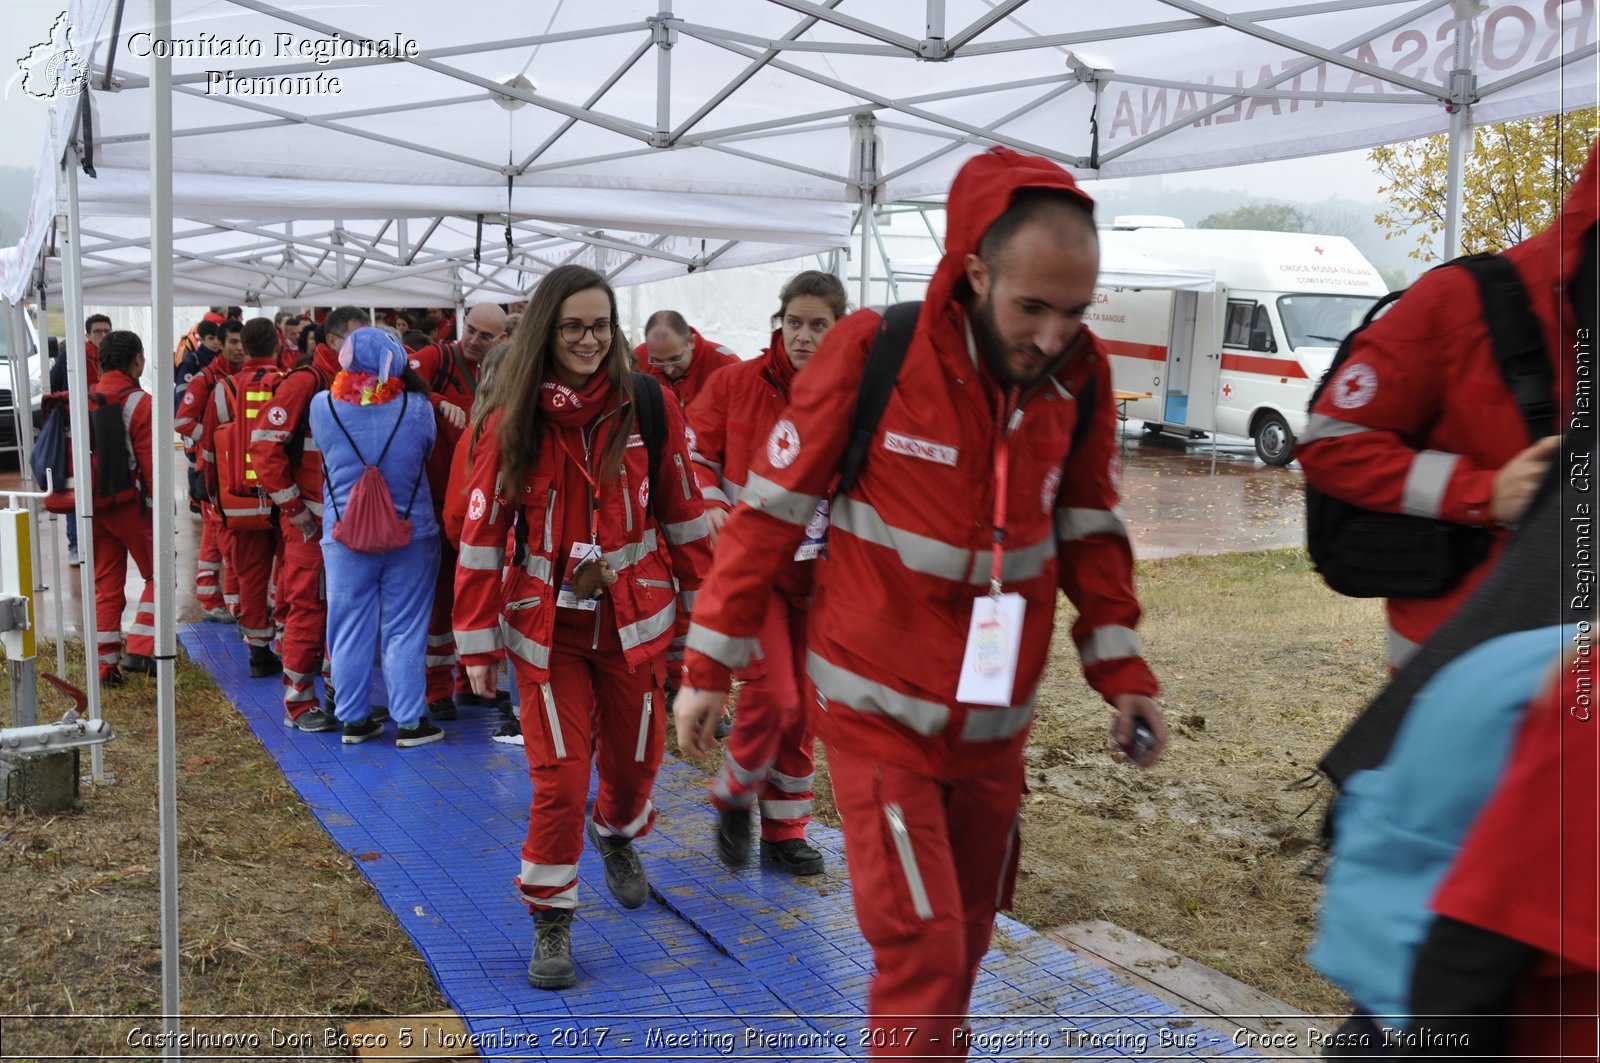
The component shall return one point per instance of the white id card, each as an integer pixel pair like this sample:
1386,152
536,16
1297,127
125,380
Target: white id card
815,544
989,663
565,599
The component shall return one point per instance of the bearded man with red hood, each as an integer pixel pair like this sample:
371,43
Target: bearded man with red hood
288,467
989,487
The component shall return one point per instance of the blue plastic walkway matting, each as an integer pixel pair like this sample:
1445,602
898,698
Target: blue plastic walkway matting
718,964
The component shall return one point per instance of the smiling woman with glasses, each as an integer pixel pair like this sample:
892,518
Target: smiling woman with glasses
584,467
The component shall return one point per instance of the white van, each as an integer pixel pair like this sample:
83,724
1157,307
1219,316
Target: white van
1243,358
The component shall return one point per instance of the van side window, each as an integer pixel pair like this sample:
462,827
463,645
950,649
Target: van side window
1241,314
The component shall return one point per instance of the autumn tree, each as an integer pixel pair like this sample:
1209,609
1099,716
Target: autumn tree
1273,217
1515,178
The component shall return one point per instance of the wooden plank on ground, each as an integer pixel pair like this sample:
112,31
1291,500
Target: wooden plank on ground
1192,988
412,1039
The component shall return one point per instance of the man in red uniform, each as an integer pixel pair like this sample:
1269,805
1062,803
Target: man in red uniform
288,467
216,591
451,370
95,330
983,496
679,356
124,528
1419,420
251,551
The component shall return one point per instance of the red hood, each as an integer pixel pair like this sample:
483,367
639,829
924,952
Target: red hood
981,193
1549,260
326,359
777,365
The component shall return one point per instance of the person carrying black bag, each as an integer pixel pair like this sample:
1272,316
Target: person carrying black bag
1443,411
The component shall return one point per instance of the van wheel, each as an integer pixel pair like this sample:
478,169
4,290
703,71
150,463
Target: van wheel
1274,441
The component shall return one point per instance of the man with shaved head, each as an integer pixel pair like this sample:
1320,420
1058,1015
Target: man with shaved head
452,370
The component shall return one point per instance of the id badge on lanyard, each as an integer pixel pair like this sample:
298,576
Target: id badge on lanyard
994,636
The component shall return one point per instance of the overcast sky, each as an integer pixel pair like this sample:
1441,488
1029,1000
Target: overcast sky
22,123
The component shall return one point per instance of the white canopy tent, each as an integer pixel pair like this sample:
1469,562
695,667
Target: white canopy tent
277,149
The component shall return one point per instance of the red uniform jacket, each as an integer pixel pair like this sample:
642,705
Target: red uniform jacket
91,361
729,423
453,378
1419,419
192,407
516,610
293,485
135,420
910,544
706,360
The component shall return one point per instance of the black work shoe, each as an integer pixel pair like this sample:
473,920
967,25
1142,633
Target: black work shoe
420,733
356,733
796,856
379,713
551,967
508,733
733,836
724,725
443,709
312,721
624,874
138,662
469,700
263,662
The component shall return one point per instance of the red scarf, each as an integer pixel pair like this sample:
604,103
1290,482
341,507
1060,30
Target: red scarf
570,408
779,367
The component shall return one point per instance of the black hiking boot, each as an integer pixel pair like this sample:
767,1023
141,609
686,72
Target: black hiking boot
796,856
624,874
551,966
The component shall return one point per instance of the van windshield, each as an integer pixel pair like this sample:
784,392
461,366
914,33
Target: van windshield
1321,320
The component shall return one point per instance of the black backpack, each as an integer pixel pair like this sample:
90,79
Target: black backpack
883,369
1361,553
651,409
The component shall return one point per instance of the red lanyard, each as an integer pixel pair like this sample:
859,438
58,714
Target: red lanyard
1010,417
594,485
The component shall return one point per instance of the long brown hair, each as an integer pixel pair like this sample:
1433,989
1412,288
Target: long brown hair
516,385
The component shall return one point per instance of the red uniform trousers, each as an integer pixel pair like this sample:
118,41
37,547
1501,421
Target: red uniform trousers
275,599
445,678
118,532
594,708
770,752
932,856
251,557
208,568
302,596
223,537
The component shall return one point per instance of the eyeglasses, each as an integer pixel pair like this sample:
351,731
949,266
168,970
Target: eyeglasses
573,331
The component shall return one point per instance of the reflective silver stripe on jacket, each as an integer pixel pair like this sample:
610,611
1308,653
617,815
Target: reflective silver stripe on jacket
685,532
310,446
1399,649
1321,426
863,695
726,650
934,557
269,435
700,459
789,506
715,494
643,631
631,553
1426,483
478,640
686,600
535,653
990,724
537,566
481,558
280,497
1073,524
1109,644
314,507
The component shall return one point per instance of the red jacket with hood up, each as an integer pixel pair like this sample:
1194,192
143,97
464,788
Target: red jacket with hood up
1419,419
909,546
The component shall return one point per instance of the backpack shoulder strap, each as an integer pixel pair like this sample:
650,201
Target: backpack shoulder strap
883,369
1342,355
1517,338
469,379
651,409
333,411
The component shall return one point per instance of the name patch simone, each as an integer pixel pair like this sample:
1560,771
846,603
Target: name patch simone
912,447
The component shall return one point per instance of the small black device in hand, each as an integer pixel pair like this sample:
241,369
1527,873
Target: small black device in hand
1143,742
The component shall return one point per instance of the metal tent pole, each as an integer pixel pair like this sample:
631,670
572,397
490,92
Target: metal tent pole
1463,93
165,516
78,415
